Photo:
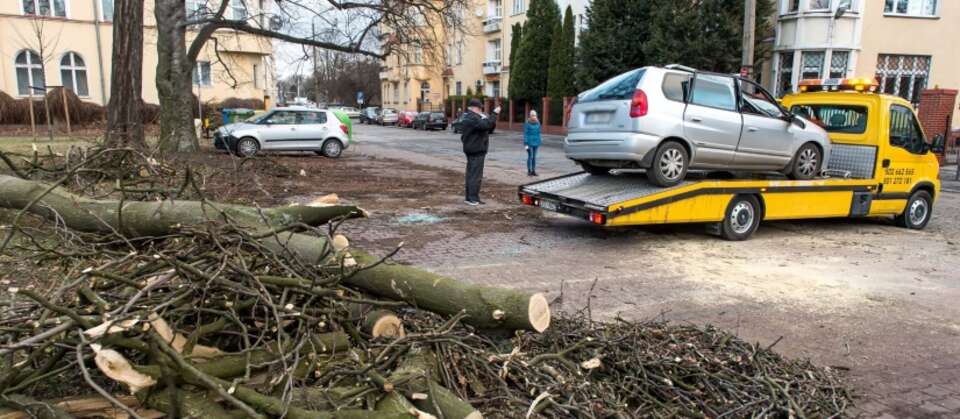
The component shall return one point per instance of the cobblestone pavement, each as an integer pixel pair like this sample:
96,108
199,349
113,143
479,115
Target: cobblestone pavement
861,295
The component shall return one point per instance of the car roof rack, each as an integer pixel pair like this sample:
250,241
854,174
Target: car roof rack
680,67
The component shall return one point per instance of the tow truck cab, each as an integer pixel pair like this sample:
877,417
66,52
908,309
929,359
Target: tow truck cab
880,165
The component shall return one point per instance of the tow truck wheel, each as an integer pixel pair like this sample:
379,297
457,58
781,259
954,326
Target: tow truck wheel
917,214
669,166
741,218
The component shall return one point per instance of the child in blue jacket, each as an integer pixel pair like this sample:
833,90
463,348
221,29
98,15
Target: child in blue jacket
531,141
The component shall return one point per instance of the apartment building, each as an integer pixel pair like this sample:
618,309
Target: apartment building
907,45
69,43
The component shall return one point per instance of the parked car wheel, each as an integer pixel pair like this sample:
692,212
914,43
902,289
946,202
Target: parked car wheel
594,170
670,164
247,147
918,211
806,164
332,148
741,219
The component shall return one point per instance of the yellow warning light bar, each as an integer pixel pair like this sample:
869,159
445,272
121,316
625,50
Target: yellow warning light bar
833,85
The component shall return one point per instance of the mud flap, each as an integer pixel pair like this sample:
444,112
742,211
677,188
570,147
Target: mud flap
714,229
860,205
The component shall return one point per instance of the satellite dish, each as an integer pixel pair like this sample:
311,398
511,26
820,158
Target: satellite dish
276,23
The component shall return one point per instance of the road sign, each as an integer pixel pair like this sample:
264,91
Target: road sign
360,97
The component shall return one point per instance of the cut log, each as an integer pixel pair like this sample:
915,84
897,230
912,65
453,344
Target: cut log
415,371
376,322
485,307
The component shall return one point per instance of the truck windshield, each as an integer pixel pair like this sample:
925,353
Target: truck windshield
618,88
843,119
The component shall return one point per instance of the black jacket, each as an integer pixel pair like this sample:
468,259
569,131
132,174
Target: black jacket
476,132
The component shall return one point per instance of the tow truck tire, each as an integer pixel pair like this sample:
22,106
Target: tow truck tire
594,170
807,163
741,218
669,166
917,213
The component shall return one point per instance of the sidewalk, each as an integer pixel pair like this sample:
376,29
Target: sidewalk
948,179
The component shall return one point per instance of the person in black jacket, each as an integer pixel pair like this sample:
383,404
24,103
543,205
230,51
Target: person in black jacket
476,128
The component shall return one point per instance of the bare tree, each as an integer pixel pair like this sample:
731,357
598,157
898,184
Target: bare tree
125,110
374,29
40,41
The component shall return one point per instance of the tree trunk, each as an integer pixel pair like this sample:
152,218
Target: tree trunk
174,79
125,109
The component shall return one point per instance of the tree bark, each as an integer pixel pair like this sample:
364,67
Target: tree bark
174,79
125,109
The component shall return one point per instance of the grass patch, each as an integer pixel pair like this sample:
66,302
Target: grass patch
24,145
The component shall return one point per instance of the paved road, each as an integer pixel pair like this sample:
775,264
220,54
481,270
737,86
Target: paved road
860,294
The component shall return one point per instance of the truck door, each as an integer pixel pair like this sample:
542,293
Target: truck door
712,121
902,161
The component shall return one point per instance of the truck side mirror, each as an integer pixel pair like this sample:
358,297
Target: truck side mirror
938,144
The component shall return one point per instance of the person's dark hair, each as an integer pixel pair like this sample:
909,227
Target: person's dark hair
474,103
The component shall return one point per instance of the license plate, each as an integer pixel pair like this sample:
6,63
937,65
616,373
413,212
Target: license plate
548,205
598,118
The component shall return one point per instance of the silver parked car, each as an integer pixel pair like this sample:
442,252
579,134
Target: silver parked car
388,116
293,128
673,119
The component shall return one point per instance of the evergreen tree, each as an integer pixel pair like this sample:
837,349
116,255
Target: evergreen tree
613,40
528,76
515,35
554,68
562,59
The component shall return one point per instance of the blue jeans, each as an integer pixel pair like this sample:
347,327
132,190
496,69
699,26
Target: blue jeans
531,159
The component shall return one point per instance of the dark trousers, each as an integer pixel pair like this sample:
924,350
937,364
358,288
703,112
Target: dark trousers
531,159
474,175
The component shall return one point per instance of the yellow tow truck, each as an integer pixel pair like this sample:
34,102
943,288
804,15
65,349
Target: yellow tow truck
880,165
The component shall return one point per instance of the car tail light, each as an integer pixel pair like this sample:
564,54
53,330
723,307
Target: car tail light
639,105
527,199
343,127
598,218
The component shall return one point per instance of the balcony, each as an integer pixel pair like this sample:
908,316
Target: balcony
385,74
492,24
491,68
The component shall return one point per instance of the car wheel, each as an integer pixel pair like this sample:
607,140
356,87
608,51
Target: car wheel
806,164
918,211
741,219
594,170
247,147
670,163
332,148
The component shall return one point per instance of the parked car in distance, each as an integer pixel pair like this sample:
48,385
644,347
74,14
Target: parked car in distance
350,111
672,119
388,116
457,123
430,121
405,119
369,115
293,128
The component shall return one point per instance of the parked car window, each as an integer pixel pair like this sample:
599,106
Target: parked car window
313,118
676,86
757,101
904,130
618,88
835,118
437,115
281,117
715,92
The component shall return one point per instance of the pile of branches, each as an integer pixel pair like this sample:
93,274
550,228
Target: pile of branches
190,308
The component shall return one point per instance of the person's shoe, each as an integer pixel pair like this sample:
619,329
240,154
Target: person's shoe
529,173
481,203
471,203
534,174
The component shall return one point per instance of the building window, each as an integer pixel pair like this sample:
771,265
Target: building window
903,75
106,9
239,9
197,8
839,61
52,8
785,84
848,4
459,52
418,53
819,4
29,73
73,74
495,88
449,58
256,76
793,6
495,8
811,65
923,8
459,88
201,74
518,7
396,93
494,53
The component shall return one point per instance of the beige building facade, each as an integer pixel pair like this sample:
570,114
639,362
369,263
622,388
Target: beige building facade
69,43
907,45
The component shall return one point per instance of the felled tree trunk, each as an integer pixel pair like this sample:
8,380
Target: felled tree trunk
485,307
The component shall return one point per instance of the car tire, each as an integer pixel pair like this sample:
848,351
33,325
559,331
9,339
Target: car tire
247,147
332,148
918,211
806,163
669,166
594,170
741,219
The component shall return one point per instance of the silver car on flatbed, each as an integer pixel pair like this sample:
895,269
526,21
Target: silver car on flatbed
672,119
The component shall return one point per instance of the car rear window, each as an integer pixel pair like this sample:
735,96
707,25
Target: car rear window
846,119
437,115
676,86
618,88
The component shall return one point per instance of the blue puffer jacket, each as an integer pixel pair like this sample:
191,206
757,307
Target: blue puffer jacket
531,134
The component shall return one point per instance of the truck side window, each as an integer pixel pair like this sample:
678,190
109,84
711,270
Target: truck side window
905,132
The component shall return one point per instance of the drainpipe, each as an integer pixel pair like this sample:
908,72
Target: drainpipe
96,29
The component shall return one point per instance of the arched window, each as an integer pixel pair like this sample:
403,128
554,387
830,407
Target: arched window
73,73
29,72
